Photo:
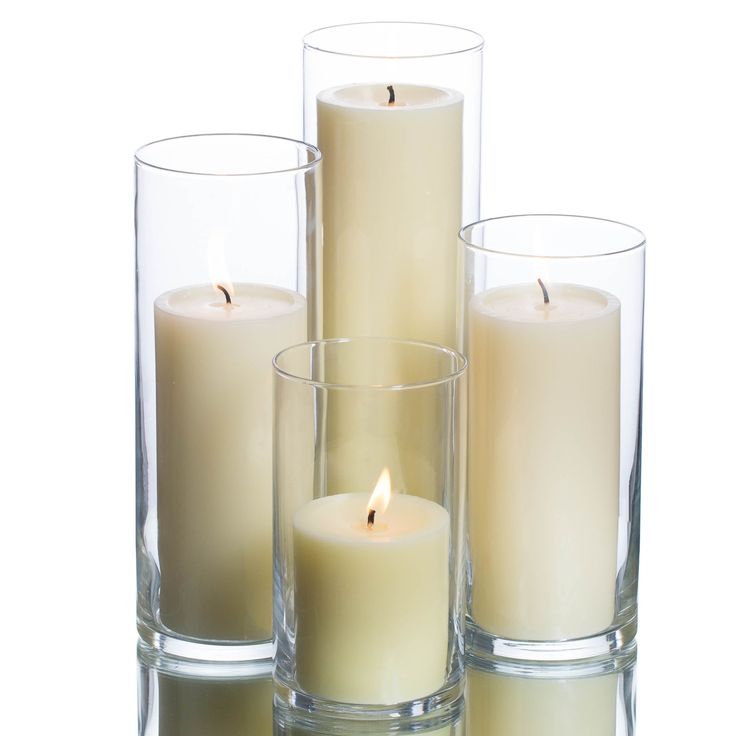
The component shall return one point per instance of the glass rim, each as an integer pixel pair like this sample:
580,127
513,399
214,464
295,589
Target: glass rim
303,145
309,44
467,243
460,367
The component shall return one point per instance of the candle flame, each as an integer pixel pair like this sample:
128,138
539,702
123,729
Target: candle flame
219,272
381,496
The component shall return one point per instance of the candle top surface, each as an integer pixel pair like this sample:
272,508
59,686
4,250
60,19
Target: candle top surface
376,97
525,303
343,518
250,302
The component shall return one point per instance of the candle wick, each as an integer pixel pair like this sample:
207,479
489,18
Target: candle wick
544,291
226,293
391,94
371,517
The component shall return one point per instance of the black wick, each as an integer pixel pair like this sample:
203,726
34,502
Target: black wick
391,94
544,291
371,517
225,292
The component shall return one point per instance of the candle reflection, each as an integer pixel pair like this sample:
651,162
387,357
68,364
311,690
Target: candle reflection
596,699
187,703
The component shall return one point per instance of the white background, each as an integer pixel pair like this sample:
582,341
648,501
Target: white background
621,110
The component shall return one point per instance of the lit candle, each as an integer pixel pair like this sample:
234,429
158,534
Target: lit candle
392,183
214,414
544,459
371,596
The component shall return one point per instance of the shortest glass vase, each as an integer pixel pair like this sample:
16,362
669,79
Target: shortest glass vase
369,442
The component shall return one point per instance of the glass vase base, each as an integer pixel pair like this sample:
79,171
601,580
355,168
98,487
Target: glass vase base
484,646
308,711
205,653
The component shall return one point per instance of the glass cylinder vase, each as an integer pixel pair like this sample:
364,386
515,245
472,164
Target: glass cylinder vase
225,227
553,323
395,109
369,549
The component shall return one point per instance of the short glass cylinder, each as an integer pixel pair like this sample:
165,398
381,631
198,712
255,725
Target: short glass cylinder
395,109
225,226
553,316
369,549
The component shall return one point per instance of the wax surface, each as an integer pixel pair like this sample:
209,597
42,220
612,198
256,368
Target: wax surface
214,436
544,460
371,605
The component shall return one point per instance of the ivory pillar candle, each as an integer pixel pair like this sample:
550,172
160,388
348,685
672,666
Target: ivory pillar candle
214,438
392,183
371,603
544,460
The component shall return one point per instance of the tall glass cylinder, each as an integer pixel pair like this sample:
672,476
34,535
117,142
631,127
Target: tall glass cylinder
225,228
553,319
369,559
395,109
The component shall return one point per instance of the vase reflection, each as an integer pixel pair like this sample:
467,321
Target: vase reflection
178,698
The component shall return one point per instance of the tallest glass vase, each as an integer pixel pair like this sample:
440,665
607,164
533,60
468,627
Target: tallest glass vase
395,109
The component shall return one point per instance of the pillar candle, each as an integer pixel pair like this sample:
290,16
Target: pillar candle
371,602
392,197
392,183
214,436
543,460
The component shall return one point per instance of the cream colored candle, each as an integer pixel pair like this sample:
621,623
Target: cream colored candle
371,603
392,183
214,435
544,460
503,705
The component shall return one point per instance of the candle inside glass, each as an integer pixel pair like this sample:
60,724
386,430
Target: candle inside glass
214,460
371,601
543,479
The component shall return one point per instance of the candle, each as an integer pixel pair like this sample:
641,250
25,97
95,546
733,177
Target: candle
392,181
214,415
544,459
506,705
371,596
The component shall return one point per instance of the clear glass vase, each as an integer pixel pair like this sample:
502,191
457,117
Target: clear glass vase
225,228
553,317
369,506
395,109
